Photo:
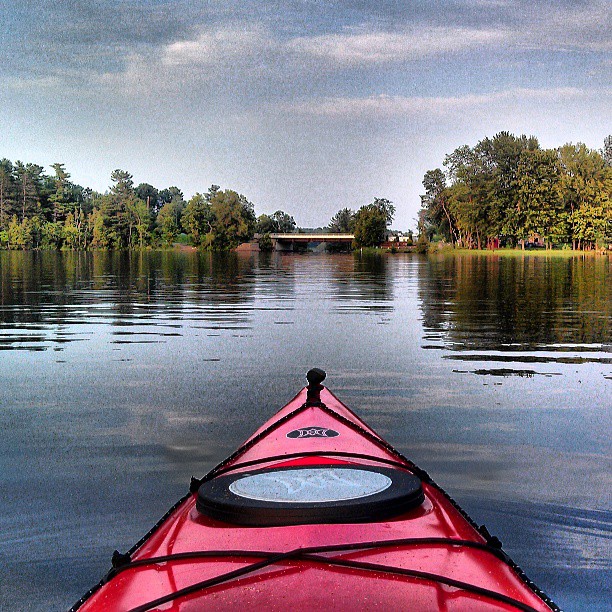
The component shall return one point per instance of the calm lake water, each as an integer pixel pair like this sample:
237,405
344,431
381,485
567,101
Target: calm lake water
121,375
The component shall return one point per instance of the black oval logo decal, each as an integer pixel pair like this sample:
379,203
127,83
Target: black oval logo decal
313,432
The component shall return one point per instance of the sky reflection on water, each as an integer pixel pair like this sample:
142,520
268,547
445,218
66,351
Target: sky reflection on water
123,374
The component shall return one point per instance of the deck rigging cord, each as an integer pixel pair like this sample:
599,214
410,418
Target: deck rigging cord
313,554
124,562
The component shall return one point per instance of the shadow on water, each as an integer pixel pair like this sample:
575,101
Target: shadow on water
44,294
524,310
505,372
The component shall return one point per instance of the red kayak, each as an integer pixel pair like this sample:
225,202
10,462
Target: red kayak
315,510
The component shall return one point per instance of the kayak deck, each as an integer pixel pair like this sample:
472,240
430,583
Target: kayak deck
431,556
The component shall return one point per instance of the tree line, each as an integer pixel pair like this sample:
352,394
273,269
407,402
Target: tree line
49,211
507,190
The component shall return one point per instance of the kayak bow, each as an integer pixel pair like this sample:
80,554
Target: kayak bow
315,510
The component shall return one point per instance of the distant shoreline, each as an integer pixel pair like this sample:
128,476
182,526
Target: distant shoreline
434,251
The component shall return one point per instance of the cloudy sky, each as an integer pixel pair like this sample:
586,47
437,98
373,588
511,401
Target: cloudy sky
304,105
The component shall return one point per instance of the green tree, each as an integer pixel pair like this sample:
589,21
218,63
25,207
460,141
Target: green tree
437,218
500,156
71,233
149,195
233,221
28,178
265,242
197,219
139,222
278,222
593,223
422,244
62,196
284,222
20,233
7,192
386,208
265,225
169,222
540,197
584,190
101,236
342,222
123,185
84,227
89,199
170,194
471,195
370,226
125,218
52,235
114,227
465,210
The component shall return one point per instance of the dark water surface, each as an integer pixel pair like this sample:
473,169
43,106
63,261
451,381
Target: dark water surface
121,375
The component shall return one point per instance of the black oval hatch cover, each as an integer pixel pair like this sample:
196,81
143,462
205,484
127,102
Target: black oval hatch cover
308,494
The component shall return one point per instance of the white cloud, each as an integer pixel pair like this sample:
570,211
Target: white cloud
359,48
560,28
249,53
384,106
214,46
212,55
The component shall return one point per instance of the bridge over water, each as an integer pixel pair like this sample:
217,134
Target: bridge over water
286,242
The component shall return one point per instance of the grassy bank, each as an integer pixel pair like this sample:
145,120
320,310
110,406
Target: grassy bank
434,249
520,252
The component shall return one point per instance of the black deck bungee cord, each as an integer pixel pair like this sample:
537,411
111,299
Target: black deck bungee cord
309,554
326,548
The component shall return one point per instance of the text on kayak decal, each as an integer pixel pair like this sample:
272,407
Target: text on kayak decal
313,432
